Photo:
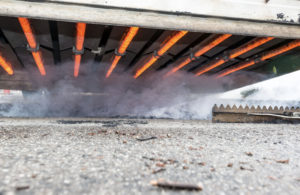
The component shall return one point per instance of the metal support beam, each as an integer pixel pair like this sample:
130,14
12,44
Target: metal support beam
141,18
102,43
55,42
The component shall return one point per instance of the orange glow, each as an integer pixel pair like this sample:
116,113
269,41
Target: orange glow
249,46
176,68
213,65
25,24
113,65
233,54
6,66
216,41
264,57
165,46
37,56
126,40
151,61
80,32
281,50
170,41
212,44
77,65
239,67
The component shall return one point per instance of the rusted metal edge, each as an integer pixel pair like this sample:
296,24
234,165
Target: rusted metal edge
258,114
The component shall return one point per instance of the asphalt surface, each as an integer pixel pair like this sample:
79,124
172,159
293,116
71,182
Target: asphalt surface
122,156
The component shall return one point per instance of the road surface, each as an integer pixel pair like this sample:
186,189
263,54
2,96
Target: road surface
122,156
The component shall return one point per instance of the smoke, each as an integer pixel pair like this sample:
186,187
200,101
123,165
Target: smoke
180,96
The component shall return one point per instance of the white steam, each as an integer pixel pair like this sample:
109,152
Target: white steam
279,91
181,96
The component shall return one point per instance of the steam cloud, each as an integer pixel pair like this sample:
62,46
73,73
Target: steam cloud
181,96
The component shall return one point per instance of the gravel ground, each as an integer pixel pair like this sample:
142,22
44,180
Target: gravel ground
104,156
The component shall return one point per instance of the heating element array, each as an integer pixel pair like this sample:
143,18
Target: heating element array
128,36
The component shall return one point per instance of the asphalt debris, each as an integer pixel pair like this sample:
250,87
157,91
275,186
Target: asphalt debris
283,161
158,170
245,168
176,185
19,188
202,163
141,139
229,164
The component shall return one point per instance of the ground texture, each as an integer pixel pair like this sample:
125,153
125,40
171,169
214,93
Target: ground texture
109,156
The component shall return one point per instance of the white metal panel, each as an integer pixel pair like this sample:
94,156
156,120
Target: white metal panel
273,10
121,17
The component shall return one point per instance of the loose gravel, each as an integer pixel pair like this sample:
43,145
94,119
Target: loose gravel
107,156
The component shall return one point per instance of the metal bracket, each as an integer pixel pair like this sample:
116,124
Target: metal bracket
97,51
256,60
36,49
193,57
77,52
155,54
225,56
119,54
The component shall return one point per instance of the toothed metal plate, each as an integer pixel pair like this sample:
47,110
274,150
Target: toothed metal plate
246,114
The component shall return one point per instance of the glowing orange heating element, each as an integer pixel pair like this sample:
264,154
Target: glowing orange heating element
216,41
264,57
234,53
25,24
6,66
80,32
249,46
166,45
126,40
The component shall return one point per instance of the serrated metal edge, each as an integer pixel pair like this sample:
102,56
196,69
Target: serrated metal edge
254,109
